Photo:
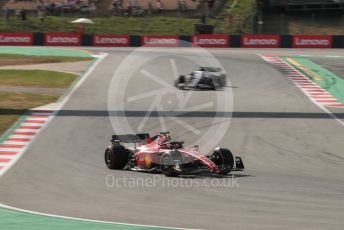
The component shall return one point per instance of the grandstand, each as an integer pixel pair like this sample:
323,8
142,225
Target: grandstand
173,19
102,5
166,4
18,4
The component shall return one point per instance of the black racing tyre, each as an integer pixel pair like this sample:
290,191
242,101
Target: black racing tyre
222,80
223,157
180,80
168,163
212,85
116,157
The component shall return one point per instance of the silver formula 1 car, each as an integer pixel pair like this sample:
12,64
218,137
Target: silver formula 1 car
211,78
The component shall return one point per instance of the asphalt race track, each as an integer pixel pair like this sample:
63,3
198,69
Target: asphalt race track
293,150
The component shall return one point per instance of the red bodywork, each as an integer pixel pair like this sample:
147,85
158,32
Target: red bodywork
149,154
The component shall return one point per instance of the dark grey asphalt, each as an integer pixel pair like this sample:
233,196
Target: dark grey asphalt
293,152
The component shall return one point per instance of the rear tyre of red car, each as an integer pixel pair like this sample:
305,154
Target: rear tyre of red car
116,157
224,159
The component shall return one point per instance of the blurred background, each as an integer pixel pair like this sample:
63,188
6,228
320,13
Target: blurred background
176,17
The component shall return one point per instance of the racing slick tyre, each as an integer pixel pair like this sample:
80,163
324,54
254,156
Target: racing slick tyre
222,81
180,80
212,85
168,163
223,158
116,157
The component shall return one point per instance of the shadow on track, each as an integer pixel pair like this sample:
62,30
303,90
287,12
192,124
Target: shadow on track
137,113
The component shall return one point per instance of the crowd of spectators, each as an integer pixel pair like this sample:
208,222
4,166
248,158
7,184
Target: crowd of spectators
19,13
49,7
87,7
69,6
133,7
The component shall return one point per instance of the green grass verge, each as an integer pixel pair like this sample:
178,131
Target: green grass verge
16,220
42,51
36,78
13,105
47,59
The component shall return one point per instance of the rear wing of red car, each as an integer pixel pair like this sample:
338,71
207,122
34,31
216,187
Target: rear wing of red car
130,138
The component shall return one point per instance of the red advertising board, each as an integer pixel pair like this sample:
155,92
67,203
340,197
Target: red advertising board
312,41
62,39
260,41
16,39
160,41
210,40
111,40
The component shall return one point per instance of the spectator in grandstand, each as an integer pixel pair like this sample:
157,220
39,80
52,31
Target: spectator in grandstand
41,15
50,6
115,4
7,12
159,6
23,14
18,13
181,5
137,9
88,9
129,9
211,4
59,7
150,5
117,7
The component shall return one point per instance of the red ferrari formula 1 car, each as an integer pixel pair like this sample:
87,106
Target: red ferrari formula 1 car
160,154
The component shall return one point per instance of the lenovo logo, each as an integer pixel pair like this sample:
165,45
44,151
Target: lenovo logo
62,39
111,40
260,41
162,41
4,39
16,38
210,40
312,41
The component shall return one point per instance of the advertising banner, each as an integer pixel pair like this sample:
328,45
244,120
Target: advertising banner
16,39
111,40
62,39
312,41
211,40
260,41
160,41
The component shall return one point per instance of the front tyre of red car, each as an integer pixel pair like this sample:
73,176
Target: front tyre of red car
224,159
116,157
